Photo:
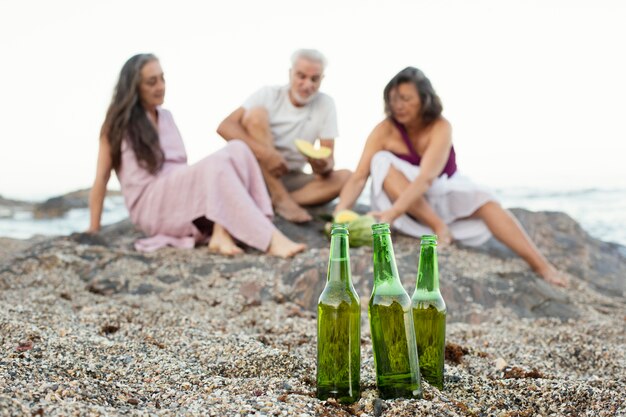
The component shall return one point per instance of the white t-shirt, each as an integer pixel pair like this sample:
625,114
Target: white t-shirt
314,120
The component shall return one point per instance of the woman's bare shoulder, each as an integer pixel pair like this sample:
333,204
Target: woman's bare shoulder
440,132
383,129
440,128
441,124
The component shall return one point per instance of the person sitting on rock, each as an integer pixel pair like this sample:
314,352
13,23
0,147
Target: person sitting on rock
223,195
416,186
271,120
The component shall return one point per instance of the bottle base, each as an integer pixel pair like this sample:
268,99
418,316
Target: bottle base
390,394
406,389
342,396
436,381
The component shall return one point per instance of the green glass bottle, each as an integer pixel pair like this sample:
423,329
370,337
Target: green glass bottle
339,326
391,324
429,314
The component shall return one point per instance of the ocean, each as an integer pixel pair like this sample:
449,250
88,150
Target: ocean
601,212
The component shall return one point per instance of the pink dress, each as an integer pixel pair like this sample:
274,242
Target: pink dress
226,187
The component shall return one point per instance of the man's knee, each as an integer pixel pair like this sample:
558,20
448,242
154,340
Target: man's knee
255,118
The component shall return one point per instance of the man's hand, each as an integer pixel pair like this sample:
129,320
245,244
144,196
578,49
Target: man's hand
274,162
322,166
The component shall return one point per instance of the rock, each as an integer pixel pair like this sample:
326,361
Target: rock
144,289
564,242
58,206
11,248
379,407
55,207
251,292
474,281
8,207
500,364
106,286
88,239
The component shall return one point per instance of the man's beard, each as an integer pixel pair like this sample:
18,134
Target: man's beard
302,101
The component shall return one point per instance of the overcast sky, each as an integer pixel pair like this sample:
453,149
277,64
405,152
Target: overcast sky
535,90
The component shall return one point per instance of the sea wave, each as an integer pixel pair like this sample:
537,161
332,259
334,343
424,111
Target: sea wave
601,212
20,224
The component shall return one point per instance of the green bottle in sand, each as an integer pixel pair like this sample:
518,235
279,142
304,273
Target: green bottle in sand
391,323
339,326
429,314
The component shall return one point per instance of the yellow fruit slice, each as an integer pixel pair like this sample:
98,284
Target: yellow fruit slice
307,149
346,216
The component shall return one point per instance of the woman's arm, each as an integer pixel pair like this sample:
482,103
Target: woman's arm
432,163
99,188
355,184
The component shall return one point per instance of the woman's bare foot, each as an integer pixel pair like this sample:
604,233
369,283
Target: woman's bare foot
290,210
554,276
282,246
222,242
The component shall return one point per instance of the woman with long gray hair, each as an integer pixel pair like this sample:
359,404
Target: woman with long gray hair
222,198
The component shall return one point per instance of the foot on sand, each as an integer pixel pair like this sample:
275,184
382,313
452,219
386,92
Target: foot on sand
283,247
554,276
290,210
222,242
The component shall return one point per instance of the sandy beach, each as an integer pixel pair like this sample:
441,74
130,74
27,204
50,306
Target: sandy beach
89,326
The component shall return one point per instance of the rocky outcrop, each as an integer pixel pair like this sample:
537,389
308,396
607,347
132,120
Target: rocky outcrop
8,207
58,206
473,280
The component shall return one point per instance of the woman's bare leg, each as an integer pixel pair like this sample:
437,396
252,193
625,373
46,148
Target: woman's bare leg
394,184
222,242
282,246
507,229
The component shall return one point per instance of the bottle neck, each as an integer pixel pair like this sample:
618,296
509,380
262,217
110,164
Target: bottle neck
339,259
385,268
428,269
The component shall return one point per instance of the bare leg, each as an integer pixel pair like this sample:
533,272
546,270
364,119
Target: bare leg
222,242
283,203
256,123
394,184
322,189
507,229
283,247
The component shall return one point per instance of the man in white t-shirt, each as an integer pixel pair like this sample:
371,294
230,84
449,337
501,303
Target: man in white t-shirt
272,118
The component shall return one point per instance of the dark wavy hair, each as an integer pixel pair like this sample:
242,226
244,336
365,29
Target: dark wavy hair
126,118
431,103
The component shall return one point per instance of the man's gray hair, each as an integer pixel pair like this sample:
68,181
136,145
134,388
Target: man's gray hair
311,55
